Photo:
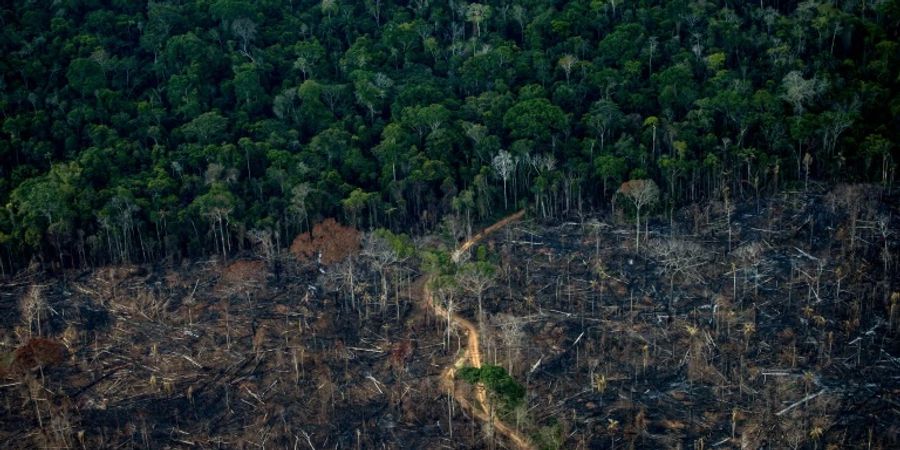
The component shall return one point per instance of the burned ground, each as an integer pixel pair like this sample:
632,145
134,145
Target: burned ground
783,336
788,339
215,356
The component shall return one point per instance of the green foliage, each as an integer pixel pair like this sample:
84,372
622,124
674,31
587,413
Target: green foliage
498,382
535,118
207,128
85,76
480,268
401,244
481,253
610,168
439,263
391,117
550,437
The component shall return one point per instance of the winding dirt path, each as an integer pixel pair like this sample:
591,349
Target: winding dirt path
465,246
472,354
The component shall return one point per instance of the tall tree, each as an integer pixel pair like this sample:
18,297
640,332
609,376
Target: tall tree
504,165
640,193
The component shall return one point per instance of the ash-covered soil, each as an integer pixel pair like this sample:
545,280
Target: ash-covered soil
769,326
784,335
242,355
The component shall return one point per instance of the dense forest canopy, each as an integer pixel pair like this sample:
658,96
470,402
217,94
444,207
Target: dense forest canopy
135,131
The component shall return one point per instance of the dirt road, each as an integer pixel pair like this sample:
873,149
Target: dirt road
472,354
465,246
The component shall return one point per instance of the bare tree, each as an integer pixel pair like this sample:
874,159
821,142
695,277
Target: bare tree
749,260
264,243
512,335
679,258
245,29
641,193
885,231
476,279
32,305
856,200
798,90
445,289
504,165
382,255
728,209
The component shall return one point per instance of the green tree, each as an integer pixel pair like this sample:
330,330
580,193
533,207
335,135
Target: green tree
610,169
877,148
247,87
207,128
498,382
85,76
602,119
477,13
309,56
48,207
677,88
355,203
536,119
218,205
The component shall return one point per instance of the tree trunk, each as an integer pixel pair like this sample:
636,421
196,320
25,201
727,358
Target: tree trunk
505,206
637,235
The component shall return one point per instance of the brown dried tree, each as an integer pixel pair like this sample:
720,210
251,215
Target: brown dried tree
328,241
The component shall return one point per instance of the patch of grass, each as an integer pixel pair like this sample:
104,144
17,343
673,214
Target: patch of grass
498,382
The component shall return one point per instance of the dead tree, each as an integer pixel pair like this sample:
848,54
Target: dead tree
327,243
640,193
32,305
445,289
382,256
242,278
856,201
264,243
477,278
512,335
748,259
679,258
